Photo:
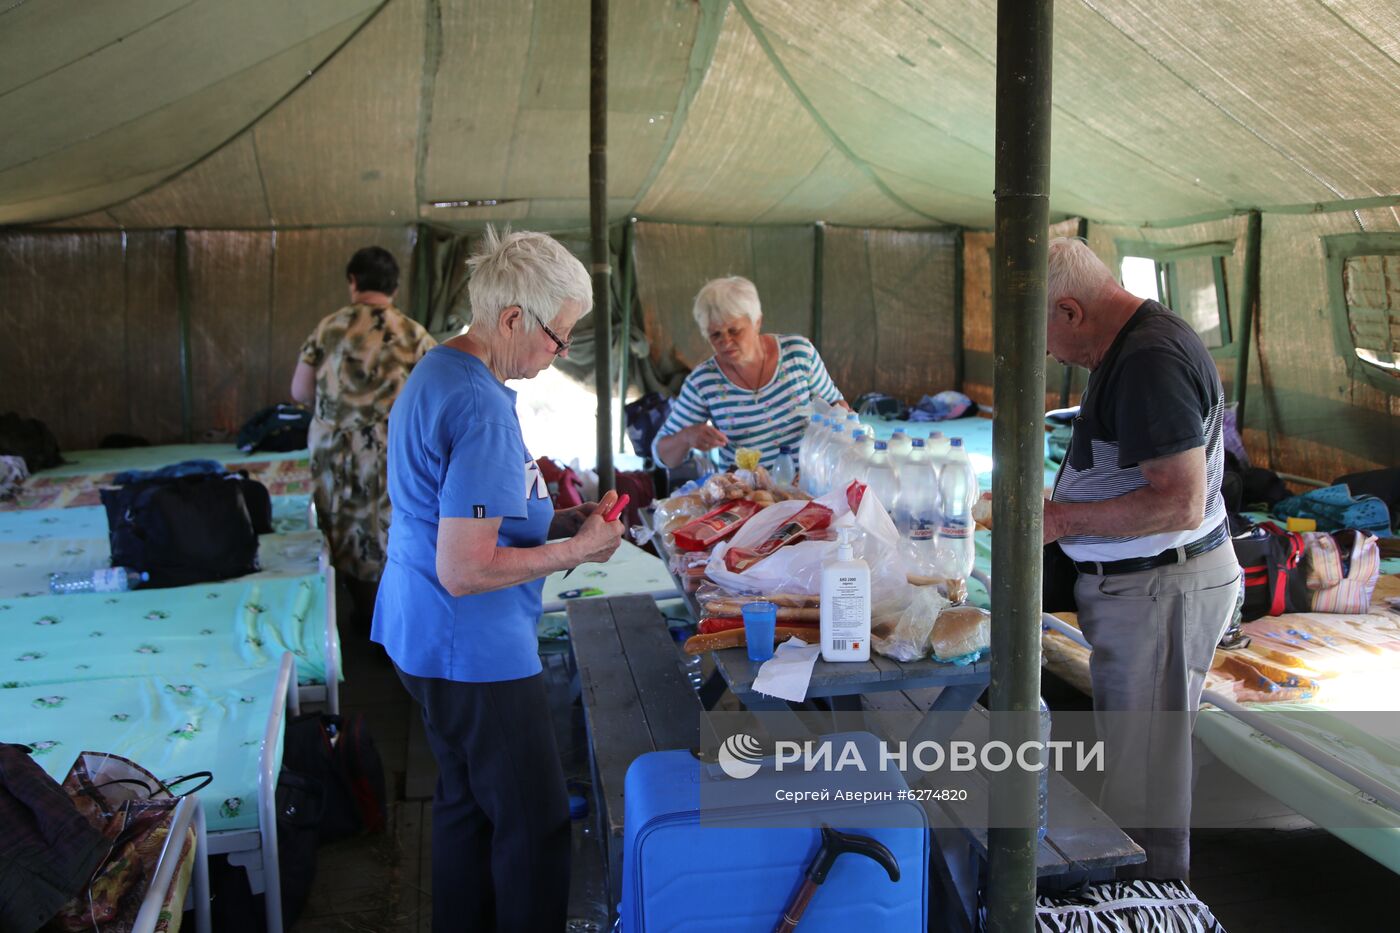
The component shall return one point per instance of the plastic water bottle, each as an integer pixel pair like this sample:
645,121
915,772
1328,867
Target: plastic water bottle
900,447
958,488
804,451
917,512
854,458
881,478
101,580
836,448
937,446
784,470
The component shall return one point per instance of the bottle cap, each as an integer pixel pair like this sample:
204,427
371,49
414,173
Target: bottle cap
899,432
784,450
857,434
918,442
956,442
882,445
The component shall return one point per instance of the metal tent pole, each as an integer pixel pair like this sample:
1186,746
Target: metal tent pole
598,211
1249,300
1018,297
629,276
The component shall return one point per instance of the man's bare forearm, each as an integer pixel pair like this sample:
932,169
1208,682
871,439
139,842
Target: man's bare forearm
1144,511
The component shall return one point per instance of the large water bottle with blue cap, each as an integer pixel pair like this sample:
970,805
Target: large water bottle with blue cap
957,483
916,511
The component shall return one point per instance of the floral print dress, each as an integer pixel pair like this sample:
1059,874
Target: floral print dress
362,355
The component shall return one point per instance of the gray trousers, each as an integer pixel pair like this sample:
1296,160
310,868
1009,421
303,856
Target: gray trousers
1154,635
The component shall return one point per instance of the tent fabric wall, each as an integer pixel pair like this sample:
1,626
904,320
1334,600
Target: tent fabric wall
1303,414
872,113
977,311
95,321
886,297
888,313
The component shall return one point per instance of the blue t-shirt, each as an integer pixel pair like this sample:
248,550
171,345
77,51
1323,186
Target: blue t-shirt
455,451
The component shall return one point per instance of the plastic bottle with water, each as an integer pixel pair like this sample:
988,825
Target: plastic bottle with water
880,476
826,433
855,457
901,444
784,470
832,452
804,451
957,485
917,513
101,580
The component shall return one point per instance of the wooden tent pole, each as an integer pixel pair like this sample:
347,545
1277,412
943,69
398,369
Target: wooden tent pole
1018,441
598,212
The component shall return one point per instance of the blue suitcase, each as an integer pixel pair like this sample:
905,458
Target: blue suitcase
679,875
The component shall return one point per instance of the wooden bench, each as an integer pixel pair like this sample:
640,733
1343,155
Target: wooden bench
1087,846
636,699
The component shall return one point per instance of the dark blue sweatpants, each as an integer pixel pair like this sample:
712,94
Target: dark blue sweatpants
501,836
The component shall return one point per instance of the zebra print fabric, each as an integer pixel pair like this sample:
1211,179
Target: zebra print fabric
1124,907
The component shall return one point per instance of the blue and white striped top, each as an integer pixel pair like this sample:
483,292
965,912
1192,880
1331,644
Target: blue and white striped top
766,418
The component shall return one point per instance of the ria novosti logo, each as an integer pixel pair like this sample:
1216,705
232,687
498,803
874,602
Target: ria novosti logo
739,755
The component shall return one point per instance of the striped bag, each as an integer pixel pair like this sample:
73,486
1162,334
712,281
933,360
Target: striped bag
1343,568
1124,907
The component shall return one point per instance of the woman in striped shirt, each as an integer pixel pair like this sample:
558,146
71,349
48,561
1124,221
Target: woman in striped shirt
749,393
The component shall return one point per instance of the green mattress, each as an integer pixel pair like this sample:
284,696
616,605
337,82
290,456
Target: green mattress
237,625
171,724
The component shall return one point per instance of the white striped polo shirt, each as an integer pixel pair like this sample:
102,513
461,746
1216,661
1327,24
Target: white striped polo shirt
766,418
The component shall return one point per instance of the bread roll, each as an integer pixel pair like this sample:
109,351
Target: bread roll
961,631
982,512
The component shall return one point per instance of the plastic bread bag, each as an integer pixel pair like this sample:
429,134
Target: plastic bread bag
672,514
718,602
723,521
906,635
796,569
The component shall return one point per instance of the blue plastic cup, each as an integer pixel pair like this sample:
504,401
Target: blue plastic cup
760,623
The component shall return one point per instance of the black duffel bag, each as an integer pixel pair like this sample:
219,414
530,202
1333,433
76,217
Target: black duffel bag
189,529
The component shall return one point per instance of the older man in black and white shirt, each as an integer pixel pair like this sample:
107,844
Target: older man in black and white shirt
1137,507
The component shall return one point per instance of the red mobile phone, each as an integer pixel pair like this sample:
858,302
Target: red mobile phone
617,508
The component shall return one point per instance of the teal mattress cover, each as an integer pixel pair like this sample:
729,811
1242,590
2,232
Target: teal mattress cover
192,630
289,513
80,462
170,723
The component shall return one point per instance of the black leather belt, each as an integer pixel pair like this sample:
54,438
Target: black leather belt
1176,555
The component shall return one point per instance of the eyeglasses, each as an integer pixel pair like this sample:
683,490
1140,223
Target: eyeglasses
560,346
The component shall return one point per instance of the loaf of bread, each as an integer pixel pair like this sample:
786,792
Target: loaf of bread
961,632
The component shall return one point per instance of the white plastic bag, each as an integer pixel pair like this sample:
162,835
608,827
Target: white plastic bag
908,635
797,568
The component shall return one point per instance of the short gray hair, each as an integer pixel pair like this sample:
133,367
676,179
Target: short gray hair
1075,271
724,300
531,270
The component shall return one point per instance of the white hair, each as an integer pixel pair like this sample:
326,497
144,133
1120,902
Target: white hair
529,270
1075,271
725,299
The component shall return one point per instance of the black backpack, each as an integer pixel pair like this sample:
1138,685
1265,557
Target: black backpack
30,439
1275,571
189,529
338,756
278,428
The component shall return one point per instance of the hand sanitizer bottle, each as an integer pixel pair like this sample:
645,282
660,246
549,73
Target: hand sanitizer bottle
845,607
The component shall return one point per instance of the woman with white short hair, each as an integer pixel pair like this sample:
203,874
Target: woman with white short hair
469,549
750,392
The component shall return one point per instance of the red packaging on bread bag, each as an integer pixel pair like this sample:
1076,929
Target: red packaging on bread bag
715,525
811,517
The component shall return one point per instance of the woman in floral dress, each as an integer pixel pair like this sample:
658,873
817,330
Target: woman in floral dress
352,367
